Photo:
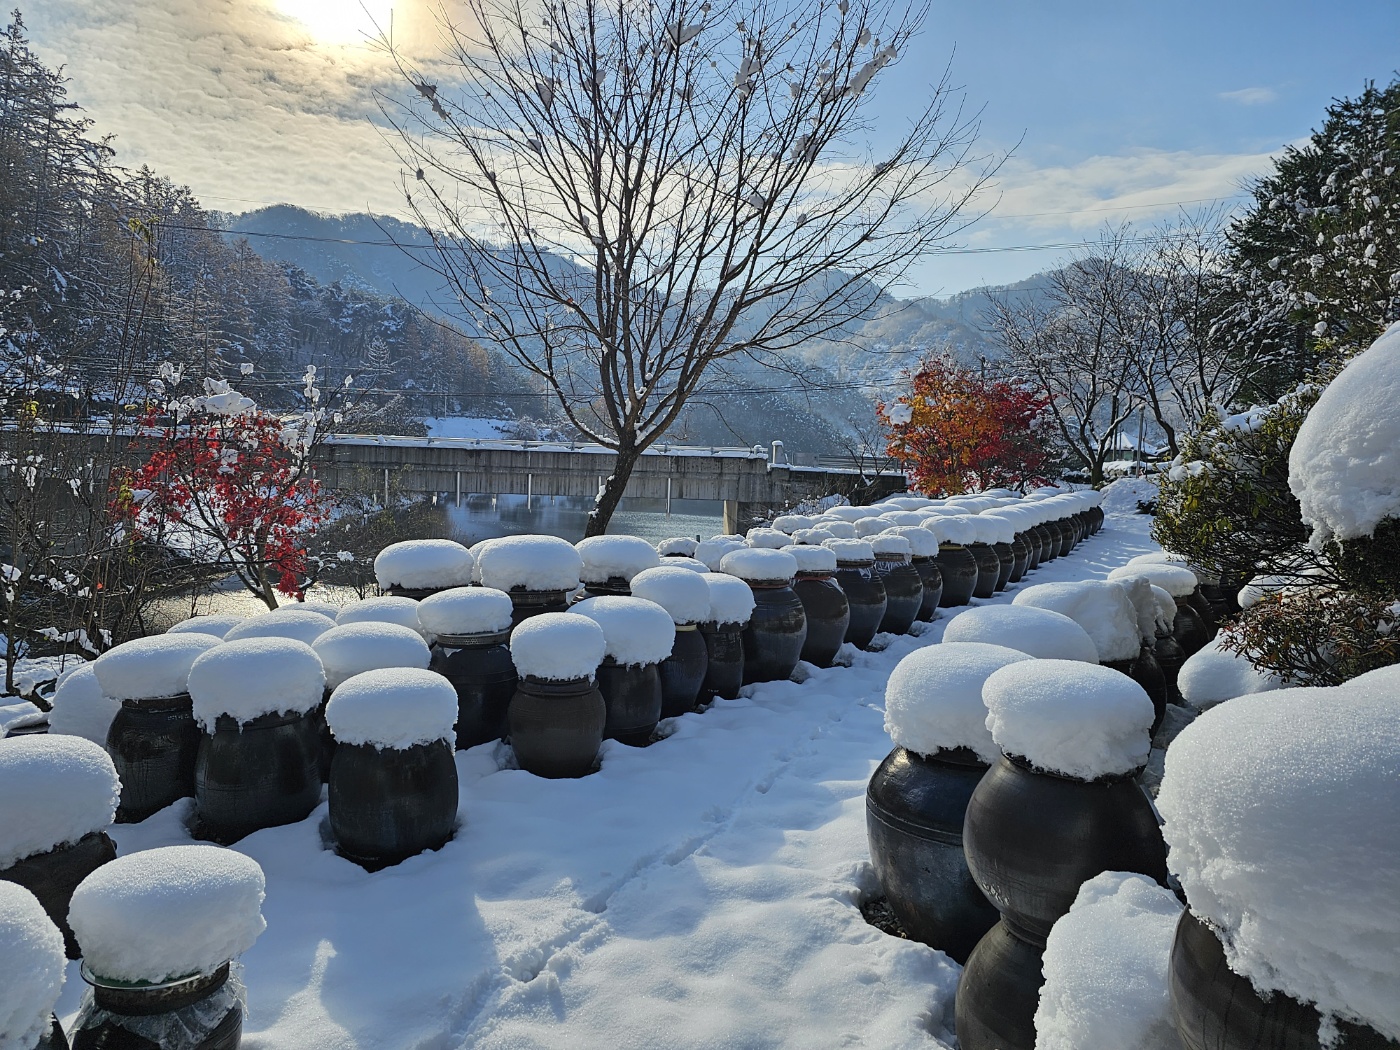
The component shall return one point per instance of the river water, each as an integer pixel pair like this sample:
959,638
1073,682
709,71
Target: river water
479,518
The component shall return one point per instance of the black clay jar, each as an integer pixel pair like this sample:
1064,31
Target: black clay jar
932,577
914,810
775,634
1064,532
153,744
1007,558
613,586
828,616
556,728
1055,540
1146,672
1032,838
531,603
1216,1009
1197,600
904,592
865,594
481,671
988,569
724,673
1189,629
388,804
683,672
193,999
1221,599
416,593
1169,656
54,875
261,774
960,573
1020,558
1046,544
632,693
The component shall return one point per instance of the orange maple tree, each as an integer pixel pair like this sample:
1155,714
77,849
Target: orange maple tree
957,431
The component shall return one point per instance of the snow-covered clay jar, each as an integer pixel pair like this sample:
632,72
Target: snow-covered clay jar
393,779
418,568
1280,817
777,629
863,587
686,598
610,562
923,549
710,552
1057,808
955,562
1110,618
1000,533
471,628
917,799
259,764
731,605
677,547
1190,628
904,587
1041,633
153,739
31,973
557,715
538,572
60,797
217,624
824,602
159,931
637,636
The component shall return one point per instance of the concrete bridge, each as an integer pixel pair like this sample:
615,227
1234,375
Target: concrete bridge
751,483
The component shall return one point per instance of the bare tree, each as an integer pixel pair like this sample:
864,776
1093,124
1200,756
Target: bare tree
622,194
1079,341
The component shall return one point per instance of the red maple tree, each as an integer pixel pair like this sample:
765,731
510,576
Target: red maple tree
957,431
232,489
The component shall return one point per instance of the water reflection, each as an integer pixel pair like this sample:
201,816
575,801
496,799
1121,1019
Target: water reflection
483,517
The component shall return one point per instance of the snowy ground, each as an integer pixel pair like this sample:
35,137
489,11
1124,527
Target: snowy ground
703,892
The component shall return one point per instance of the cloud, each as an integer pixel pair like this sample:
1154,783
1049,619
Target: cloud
1250,96
240,99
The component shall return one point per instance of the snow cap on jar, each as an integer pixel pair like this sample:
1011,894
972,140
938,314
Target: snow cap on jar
1041,633
393,707
32,967
959,529
713,550
812,559
387,609
217,624
848,514
922,542
841,530
353,648
1069,717
531,563
851,551
557,647
461,611
1176,580
635,631
418,565
680,591
80,708
790,523
150,668
615,557
933,699
759,565
1280,824
1103,609
731,599
57,789
169,912
301,625
677,546
773,539
252,677
887,545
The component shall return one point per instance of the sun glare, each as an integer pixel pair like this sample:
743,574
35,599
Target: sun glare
340,21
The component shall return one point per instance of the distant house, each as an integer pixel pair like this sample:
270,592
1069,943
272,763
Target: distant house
1123,453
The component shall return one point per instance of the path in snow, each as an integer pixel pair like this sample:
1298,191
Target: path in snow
703,892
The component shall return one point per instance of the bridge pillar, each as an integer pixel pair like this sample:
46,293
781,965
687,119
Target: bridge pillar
739,517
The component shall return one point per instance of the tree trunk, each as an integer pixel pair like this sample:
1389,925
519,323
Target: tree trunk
611,495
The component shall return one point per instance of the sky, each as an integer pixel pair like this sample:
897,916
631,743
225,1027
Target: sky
1106,110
